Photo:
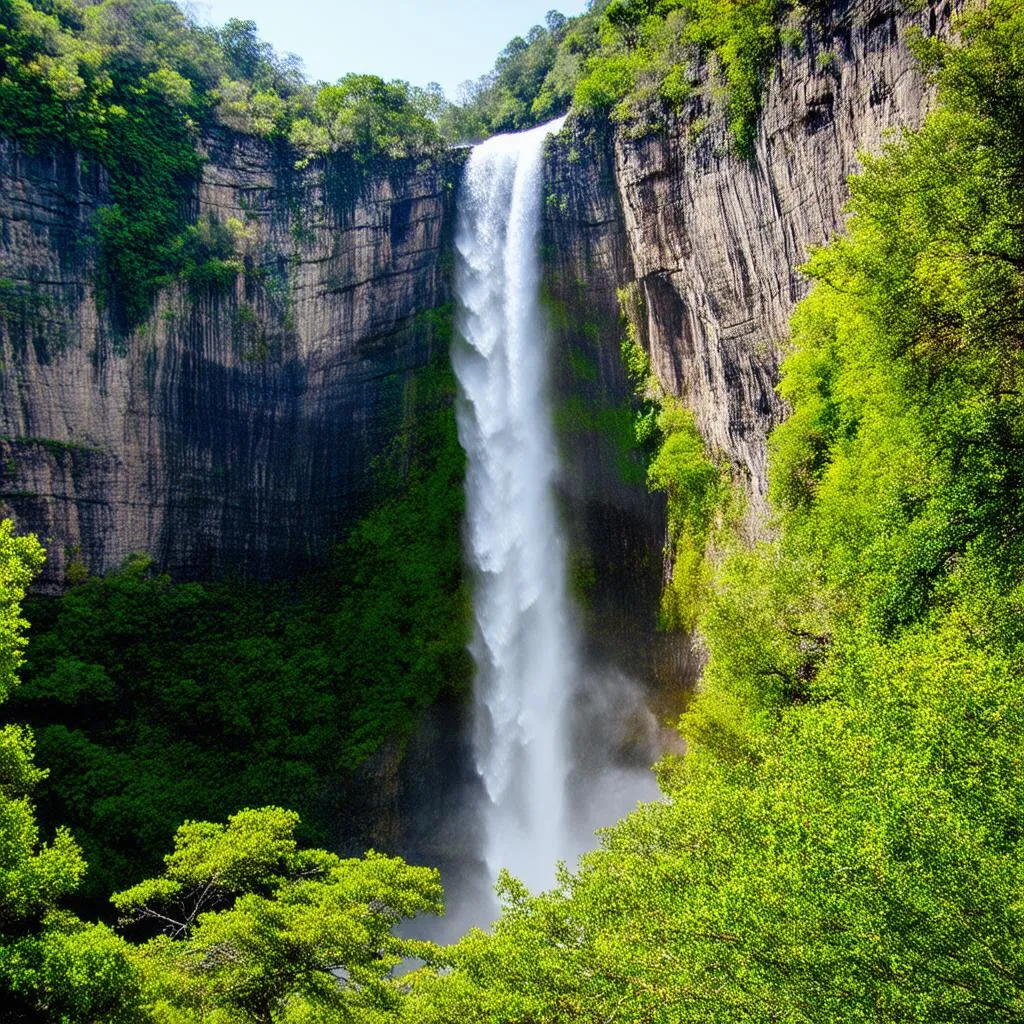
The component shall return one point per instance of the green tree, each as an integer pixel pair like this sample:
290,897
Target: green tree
255,929
52,966
367,115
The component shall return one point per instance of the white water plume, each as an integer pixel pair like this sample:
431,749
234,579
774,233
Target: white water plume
554,755
524,644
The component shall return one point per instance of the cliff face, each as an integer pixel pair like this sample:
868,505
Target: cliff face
235,430
616,528
714,240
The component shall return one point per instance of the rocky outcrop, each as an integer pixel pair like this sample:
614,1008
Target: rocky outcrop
715,240
235,430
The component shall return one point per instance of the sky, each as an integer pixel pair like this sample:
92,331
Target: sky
421,41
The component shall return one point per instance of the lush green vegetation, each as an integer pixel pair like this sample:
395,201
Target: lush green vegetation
842,840
698,500
251,928
153,701
243,925
648,59
41,949
633,61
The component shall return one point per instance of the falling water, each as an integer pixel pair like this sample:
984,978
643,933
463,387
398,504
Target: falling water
523,644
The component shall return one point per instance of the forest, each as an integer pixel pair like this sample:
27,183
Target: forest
841,840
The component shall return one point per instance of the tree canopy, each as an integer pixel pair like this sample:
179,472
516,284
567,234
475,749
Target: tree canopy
254,929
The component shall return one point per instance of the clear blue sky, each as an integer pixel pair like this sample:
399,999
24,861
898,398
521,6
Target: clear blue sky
446,41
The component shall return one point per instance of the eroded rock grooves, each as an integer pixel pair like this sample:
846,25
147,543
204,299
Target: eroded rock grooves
235,431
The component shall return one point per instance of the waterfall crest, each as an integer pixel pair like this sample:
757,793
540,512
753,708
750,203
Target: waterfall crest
523,643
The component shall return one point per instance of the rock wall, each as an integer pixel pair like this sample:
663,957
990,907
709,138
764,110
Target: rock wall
235,430
715,240
711,242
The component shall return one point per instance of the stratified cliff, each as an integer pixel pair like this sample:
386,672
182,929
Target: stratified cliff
717,240
235,430
711,243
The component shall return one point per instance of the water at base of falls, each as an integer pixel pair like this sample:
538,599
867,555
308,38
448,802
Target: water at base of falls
523,644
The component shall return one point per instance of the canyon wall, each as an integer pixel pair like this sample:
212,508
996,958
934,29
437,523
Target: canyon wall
715,240
235,430
709,243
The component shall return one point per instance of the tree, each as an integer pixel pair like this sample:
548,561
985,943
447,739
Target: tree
555,21
52,966
369,116
252,928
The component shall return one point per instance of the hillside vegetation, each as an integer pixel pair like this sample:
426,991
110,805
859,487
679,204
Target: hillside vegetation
842,840
634,62
133,83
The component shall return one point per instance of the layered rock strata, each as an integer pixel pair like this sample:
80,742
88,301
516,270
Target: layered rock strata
235,430
715,239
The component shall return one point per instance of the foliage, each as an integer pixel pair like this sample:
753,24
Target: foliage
647,61
696,491
842,839
252,928
52,966
369,116
126,81
632,61
153,701
206,253
531,82
243,924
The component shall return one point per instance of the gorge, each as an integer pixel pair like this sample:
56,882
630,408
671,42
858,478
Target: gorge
238,431
634,445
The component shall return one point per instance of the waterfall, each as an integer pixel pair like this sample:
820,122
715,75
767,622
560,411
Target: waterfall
523,644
